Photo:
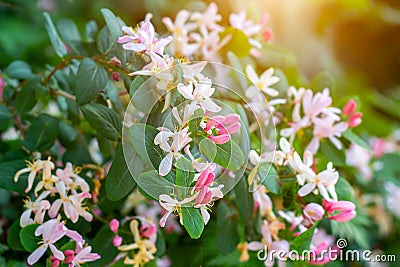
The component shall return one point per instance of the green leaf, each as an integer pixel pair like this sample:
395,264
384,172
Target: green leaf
91,30
5,113
142,138
77,152
19,70
303,241
344,190
119,181
195,120
269,177
25,100
323,80
238,42
227,234
8,169
228,155
42,133
70,34
136,83
184,176
69,246
192,221
28,239
104,41
66,133
55,39
355,139
234,62
13,239
112,24
154,185
90,80
102,244
103,119
244,132
244,200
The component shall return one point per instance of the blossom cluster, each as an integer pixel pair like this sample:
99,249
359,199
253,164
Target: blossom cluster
64,189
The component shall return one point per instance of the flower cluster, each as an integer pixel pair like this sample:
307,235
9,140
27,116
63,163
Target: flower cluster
64,189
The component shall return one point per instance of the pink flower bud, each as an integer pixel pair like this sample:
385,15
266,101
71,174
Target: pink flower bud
115,76
340,211
54,261
231,118
355,119
117,241
344,216
147,230
204,197
115,61
206,178
313,212
114,225
350,107
69,256
267,35
378,147
220,139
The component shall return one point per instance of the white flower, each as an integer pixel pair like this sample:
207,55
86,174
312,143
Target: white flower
261,83
38,208
33,169
179,140
172,205
324,182
199,93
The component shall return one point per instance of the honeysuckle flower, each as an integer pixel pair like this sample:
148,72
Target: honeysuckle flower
325,128
321,242
206,177
142,248
82,255
313,212
359,158
205,197
38,207
313,105
33,168
392,198
208,19
209,44
172,205
263,202
219,128
143,39
179,140
349,110
199,94
297,95
261,83
324,182
71,179
72,204
340,211
187,113
198,165
291,218
192,72
277,245
51,231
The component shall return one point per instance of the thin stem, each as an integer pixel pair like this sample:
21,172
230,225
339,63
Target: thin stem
231,99
18,122
61,65
63,94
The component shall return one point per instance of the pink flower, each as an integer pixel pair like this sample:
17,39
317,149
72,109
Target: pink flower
199,93
117,241
220,127
2,84
354,118
51,231
147,229
82,256
313,212
340,211
206,178
114,225
378,147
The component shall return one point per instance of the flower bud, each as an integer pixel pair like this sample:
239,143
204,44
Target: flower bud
147,230
117,241
115,76
350,107
114,225
313,212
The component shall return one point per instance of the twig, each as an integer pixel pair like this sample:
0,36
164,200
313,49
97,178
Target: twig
61,65
18,122
63,94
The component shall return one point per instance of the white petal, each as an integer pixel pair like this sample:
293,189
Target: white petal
37,254
306,189
165,165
